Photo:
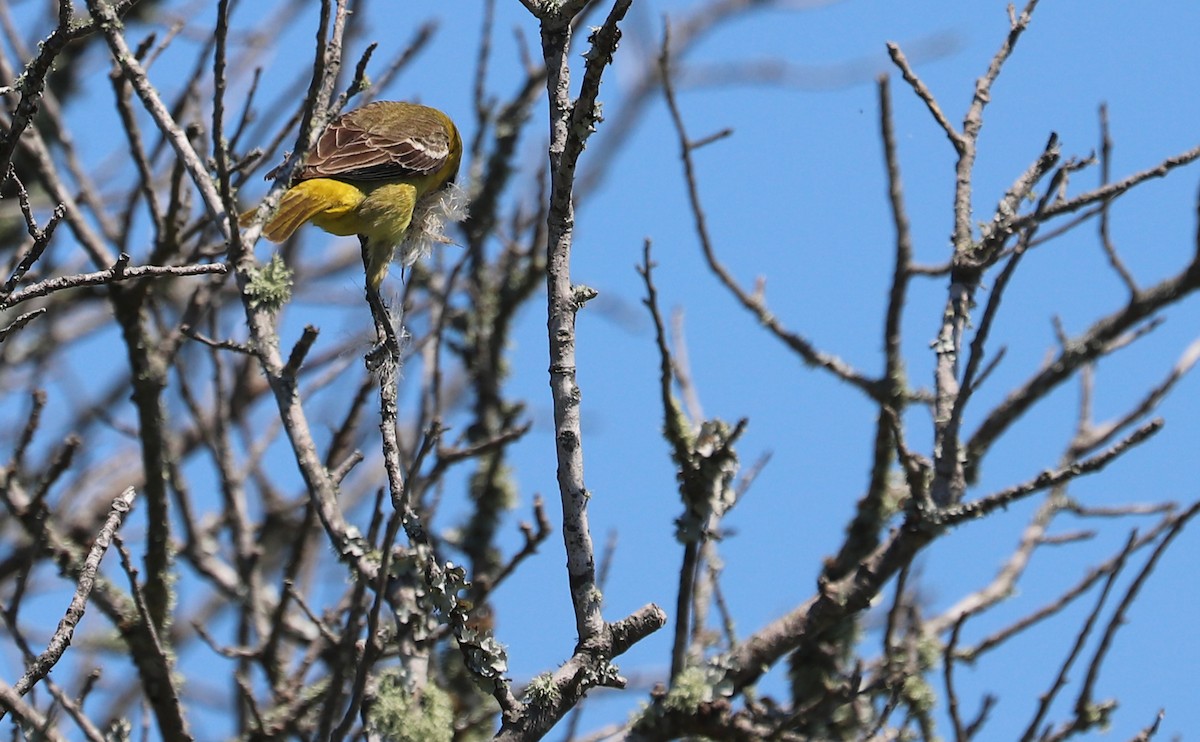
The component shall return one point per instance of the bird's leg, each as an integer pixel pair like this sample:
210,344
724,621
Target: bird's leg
387,342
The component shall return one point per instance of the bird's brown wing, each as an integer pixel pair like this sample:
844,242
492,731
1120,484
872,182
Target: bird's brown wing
380,141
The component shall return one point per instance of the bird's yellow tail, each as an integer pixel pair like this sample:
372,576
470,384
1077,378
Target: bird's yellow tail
331,200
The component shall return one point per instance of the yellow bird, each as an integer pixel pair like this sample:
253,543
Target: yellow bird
366,174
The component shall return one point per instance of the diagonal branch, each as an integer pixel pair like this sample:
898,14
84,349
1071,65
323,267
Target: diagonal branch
41,666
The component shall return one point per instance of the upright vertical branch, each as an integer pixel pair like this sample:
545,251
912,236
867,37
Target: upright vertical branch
148,370
873,509
552,695
968,262
571,122
562,304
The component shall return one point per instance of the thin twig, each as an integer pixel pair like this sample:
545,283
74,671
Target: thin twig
120,271
1049,478
753,302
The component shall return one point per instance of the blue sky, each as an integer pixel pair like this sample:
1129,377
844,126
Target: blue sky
797,195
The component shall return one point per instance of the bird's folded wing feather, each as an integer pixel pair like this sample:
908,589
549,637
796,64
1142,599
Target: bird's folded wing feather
349,150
